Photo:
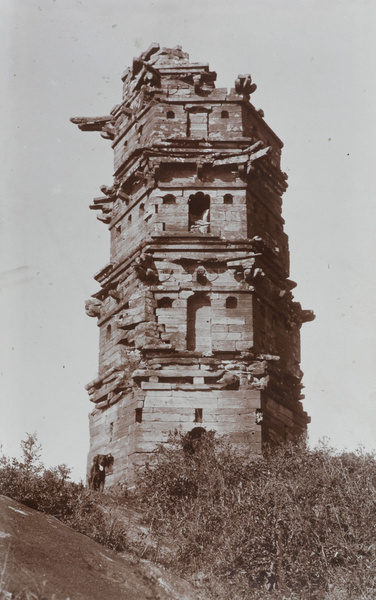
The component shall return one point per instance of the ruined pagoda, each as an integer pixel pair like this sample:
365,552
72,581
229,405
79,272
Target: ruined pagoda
198,326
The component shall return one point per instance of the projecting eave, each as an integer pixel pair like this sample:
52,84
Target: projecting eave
92,123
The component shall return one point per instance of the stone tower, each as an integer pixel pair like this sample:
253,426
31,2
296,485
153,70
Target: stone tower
198,327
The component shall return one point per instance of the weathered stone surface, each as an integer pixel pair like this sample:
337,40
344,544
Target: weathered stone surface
199,267
42,558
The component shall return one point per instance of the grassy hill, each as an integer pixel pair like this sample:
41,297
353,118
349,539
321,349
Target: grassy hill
295,524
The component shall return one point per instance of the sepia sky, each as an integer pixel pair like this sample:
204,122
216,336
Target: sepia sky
314,64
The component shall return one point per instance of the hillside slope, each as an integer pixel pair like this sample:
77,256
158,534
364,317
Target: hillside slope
40,555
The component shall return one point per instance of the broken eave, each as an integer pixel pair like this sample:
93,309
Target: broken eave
92,123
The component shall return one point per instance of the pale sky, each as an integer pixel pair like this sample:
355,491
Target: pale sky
314,64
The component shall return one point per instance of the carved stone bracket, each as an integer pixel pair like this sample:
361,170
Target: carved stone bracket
244,85
93,307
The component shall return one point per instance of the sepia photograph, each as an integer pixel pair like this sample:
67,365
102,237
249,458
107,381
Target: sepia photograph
187,284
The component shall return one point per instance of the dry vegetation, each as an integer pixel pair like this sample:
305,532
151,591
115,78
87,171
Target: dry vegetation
296,524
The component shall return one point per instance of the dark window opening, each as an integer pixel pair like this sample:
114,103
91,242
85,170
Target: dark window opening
118,228
169,199
228,198
142,208
108,333
231,302
165,302
196,433
111,431
138,415
224,114
199,212
198,415
175,379
170,114
129,219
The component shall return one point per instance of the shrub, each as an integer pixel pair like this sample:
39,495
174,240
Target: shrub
50,491
297,523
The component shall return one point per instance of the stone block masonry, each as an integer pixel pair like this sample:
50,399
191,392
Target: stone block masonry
198,325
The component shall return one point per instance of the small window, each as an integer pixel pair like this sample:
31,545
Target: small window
170,114
138,415
231,302
111,431
129,219
224,114
108,333
118,228
228,198
169,199
164,302
142,208
198,415
199,212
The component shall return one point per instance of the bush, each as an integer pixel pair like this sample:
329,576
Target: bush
297,523
50,491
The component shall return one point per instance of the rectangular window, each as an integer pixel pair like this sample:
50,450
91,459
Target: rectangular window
198,415
138,415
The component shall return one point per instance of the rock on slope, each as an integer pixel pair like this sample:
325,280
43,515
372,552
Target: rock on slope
44,557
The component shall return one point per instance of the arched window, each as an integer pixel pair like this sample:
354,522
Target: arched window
228,198
224,114
108,333
142,209
199,212
169,199
130,220
231,302
170,114
165,302
199,323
